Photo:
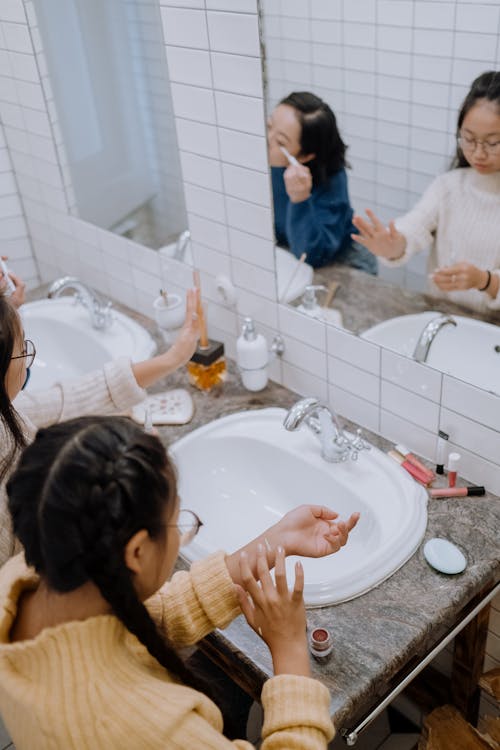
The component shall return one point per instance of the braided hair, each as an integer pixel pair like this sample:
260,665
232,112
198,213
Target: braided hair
10,331
486,86
81,490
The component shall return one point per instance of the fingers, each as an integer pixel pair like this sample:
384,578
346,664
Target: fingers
363,226
353,520
246,604
298,587
321,511
249,583
377,224
280,572
263,570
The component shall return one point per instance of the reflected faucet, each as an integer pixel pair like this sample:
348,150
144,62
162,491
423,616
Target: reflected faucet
428,335
181,245
100,310
324,423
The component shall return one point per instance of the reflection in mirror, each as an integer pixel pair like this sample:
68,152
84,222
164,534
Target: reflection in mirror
109,77
395,76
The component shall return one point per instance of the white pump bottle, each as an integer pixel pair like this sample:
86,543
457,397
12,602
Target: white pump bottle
252,357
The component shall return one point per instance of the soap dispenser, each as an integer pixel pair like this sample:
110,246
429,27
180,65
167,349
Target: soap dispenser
309,304
252,357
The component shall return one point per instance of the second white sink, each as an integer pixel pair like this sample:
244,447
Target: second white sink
67,345
243,472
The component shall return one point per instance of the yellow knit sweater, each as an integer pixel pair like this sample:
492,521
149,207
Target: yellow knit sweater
91,684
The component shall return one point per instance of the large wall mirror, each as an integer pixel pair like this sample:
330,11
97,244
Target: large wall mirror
109,78
395,74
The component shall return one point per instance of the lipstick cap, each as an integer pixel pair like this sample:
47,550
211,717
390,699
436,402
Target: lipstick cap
454,461
478,491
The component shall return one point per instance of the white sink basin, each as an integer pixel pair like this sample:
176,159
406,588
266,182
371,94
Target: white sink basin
466,351
241,473
68,346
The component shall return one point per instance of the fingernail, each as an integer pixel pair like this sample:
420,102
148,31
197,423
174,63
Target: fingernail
260,548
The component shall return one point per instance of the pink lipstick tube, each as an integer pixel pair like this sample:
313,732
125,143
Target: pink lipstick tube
457,492
414,460
415,472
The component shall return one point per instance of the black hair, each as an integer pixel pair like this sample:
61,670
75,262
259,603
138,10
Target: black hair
486,86
319,135
10,332
81,490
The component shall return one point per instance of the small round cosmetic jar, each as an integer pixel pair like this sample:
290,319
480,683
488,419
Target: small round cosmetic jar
320,643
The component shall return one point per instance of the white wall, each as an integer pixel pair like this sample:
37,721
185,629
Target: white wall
212,48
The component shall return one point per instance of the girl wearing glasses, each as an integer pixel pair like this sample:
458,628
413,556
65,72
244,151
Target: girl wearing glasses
88,631
115,388
458,216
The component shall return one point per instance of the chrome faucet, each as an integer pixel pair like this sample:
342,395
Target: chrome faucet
100,310
335,445
428,335
181,245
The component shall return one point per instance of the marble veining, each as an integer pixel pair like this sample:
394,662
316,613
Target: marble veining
365,300
378,633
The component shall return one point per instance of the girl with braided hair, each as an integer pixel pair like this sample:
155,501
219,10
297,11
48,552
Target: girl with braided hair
115,388
87,632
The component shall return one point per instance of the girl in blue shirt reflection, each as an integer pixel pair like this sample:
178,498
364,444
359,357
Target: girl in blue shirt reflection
312,212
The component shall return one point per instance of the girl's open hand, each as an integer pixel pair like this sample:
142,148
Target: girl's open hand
184,345
460,276
313,531
275,613
378,239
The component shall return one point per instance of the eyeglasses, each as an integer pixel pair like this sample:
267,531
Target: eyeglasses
467,143
29,352
188,524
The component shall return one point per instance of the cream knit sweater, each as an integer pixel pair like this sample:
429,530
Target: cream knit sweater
458,218
90,684
110,390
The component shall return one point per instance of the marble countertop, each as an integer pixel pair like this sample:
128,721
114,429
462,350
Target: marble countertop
378,633
365,300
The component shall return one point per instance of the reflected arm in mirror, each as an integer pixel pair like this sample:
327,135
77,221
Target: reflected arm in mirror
309,531
151,370
381,241
461,276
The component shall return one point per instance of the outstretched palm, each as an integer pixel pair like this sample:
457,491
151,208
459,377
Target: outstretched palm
314,531
380,240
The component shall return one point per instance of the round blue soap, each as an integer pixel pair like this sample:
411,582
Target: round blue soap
444,556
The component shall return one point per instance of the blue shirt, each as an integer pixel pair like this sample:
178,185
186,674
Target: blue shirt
320,226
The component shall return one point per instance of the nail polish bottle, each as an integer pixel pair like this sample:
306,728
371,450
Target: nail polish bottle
207,367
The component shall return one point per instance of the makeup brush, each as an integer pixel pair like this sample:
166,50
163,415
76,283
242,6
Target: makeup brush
200,311
291,159
332,290
292,277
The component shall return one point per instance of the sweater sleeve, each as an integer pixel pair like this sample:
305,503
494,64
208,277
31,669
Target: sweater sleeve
296,714
193,603
319,225
107,391
419,224
296,717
